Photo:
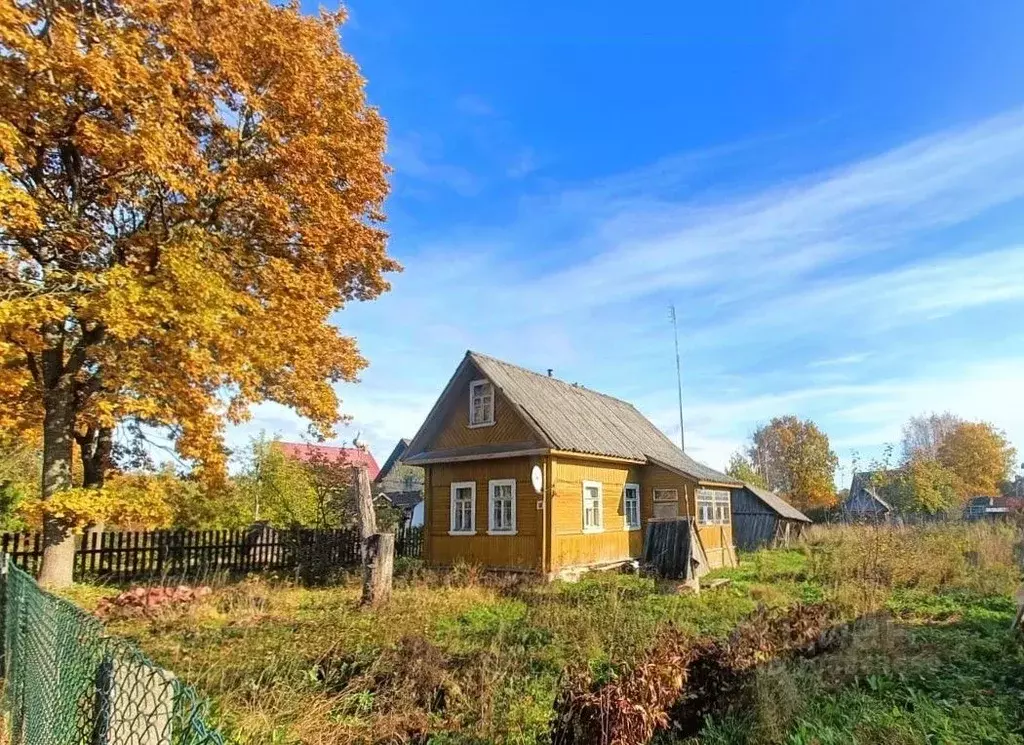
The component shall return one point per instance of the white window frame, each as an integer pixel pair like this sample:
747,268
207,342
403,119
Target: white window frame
456,485
713,499
635,488
491,530
599,528
472,386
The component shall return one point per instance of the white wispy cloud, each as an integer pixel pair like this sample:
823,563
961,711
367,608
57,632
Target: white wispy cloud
846,359
858,295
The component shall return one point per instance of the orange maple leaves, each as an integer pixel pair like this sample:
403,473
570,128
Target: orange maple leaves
188,190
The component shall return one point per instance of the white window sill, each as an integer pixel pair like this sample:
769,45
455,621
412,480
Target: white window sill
482,424
631,528
461,532
593,530
502,532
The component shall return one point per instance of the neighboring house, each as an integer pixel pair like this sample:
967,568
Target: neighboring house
864,502
402,485
982,508
356,456
763,519
527,472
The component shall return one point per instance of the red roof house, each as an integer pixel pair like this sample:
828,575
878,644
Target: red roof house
353,456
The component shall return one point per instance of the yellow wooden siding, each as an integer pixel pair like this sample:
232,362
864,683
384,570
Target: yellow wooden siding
656,477
570,545
716,539
508,426
520,551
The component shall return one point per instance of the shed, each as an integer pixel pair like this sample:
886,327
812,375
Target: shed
864,502
763,519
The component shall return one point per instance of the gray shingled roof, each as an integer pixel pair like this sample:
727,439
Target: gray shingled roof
863,482
393,459
777,503
579,420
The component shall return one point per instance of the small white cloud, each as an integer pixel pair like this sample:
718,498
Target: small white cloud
473,105
524,163
846,359
421,158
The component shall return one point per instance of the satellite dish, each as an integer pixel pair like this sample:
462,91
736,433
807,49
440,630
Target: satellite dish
537,479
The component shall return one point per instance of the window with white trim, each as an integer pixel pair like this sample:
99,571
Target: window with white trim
463,508
592,491
481,403
713,507
631,506
501,506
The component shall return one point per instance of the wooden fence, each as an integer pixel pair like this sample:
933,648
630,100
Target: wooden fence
155,554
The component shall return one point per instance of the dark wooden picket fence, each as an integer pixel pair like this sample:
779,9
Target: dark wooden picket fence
156,554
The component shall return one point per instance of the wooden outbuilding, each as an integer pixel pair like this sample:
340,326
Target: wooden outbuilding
864,504
763,519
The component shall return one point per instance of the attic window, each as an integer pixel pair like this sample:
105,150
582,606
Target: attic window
481,403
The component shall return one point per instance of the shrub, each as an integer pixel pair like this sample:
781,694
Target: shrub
682,680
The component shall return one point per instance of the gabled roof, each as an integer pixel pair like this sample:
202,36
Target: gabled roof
353,456
863,482
575,419
393,459
777,503
404,499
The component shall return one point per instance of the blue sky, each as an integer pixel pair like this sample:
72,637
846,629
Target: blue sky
829,192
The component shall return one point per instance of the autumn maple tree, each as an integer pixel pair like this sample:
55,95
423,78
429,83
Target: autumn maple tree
979,457
188,190
793,457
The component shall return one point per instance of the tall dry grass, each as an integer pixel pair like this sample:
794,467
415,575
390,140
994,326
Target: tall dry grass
863,564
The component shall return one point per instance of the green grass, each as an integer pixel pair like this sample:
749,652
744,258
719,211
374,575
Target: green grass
458,658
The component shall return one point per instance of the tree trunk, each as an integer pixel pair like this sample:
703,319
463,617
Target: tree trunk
378,569
378,549
364,504
58,428
95,446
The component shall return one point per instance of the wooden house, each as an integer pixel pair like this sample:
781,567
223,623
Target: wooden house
526,472
763,519
864,504
402,485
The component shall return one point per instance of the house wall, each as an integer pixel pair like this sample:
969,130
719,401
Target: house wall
570,546
717,540
508,426
521,551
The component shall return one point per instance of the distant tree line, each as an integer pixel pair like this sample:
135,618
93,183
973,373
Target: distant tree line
265,486
943,462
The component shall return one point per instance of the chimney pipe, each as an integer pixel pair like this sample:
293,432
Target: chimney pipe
550,372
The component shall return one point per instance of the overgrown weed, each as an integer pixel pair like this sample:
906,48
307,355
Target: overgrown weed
466,656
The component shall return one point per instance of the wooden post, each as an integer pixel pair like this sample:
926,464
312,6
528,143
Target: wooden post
364,504
378,567
378,549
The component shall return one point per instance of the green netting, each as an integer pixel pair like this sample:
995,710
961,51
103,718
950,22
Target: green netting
68,682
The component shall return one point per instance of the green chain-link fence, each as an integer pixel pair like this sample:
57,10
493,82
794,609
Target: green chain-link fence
68,682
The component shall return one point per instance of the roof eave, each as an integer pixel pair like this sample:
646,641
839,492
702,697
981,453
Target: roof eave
695,477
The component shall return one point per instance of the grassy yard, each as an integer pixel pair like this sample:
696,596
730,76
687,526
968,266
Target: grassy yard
464,658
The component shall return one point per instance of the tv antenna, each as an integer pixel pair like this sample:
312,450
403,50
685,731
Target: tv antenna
679,377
